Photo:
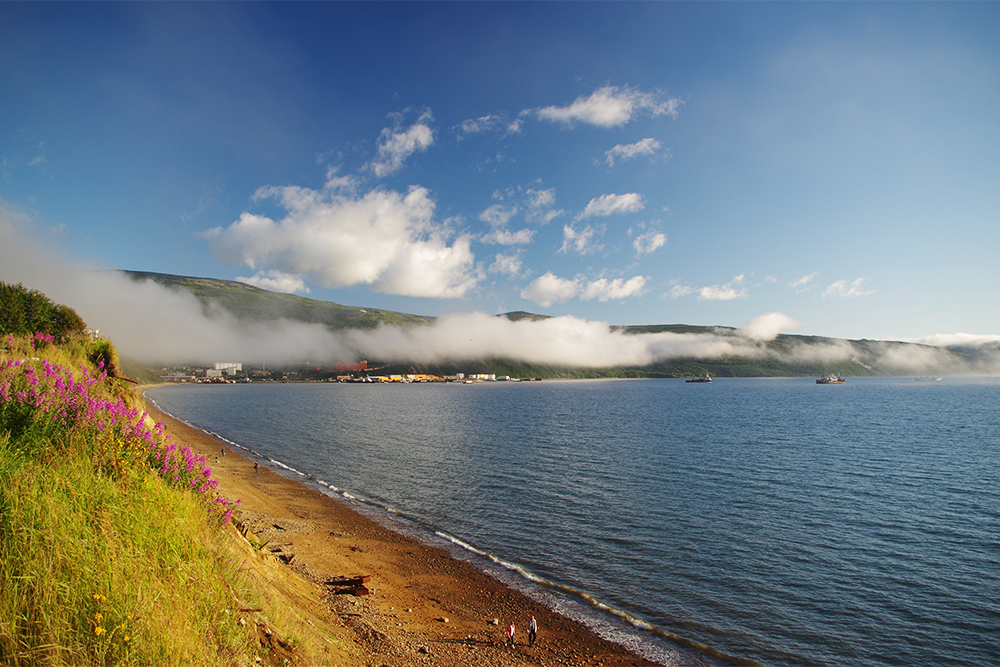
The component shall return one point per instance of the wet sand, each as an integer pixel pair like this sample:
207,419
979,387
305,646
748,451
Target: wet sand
421,607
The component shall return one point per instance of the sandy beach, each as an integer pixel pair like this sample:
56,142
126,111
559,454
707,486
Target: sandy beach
420,606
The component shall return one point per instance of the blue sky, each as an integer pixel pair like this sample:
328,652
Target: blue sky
631,163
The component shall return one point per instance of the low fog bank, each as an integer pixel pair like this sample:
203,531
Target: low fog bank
157,325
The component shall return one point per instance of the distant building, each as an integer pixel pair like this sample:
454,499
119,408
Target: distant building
229,367
175,377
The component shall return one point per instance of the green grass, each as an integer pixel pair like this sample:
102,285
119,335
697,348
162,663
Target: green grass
109,553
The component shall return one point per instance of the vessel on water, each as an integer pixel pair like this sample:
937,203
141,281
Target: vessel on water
703,378
927,378
830,379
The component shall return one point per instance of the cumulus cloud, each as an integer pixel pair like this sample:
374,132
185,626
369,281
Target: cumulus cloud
647,146
734,289
550,288
276,281
507,264
767,327
648,242
842,289
606,205
540,205
394,146
611,106
582,241
498,216
384,239
603,289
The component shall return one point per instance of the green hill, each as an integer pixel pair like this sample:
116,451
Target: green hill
786,355
251,303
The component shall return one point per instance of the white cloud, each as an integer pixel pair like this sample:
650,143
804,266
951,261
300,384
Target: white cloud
842,289
550,288
490,123
648,242
734,289
608,290
507,237
508,264
606,205
647,146
276,281
481,124
767,327
611,106
679,290
804,283
384,239
395,146
581,241
498,214
539,204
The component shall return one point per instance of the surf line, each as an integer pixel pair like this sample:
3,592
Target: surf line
416,524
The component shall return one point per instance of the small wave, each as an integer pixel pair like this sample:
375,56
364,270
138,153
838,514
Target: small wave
594,603
594,622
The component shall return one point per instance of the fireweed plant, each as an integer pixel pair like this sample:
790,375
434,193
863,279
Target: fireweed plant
115,547
42,403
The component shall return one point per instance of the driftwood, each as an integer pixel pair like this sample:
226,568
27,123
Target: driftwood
348,581
349,585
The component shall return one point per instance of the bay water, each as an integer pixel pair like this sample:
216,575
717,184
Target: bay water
747,521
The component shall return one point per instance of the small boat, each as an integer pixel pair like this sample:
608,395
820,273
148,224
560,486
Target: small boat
704,378
830,379
927,378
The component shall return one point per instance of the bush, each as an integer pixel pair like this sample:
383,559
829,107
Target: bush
24,312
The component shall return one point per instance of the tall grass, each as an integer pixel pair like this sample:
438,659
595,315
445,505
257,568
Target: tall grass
114,547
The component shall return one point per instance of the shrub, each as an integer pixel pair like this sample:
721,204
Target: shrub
24,311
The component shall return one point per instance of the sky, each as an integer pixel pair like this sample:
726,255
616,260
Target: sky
814,168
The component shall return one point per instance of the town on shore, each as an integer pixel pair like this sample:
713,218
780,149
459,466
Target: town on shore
232,372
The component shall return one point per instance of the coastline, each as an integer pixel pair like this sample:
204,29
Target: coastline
423,607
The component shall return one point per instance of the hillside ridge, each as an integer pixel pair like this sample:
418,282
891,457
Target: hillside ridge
785,355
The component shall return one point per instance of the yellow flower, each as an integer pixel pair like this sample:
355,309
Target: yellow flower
98,631
97,618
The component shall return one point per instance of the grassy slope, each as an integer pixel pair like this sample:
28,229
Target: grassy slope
104,561
251,303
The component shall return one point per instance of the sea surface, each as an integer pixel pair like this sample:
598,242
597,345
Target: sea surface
748,521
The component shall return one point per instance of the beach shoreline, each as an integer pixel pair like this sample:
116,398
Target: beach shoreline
421,605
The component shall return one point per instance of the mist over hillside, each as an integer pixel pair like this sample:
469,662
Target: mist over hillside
224,320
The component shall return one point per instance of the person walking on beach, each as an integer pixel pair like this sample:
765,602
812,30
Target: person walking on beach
532,631
510,634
